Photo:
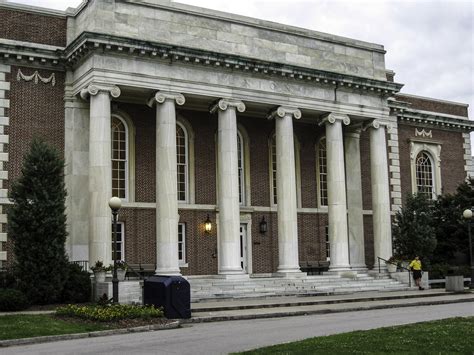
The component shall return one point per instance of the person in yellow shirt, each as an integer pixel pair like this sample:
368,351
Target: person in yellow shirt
415,267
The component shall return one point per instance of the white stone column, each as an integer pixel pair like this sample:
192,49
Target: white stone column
337,205
380,192
288,261
167,218
228,186
354,200
100,172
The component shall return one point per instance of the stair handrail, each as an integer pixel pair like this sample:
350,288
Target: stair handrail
129,268
398,266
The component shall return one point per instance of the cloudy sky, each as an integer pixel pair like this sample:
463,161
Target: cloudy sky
429,43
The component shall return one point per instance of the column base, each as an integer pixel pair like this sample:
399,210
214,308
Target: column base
338,268
290,274
167,272
359,267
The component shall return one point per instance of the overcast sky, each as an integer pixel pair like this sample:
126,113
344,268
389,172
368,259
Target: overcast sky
429,43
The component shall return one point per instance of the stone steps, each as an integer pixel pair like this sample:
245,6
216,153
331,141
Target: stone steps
212,288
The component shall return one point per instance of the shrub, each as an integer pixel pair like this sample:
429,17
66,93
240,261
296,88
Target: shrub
78,285
7,279
12,300
37,225
110,313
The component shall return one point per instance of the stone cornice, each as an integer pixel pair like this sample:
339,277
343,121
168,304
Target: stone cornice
88,43
26,53
410,116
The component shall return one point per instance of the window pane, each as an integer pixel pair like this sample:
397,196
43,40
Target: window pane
119,158
424,175
182,162
322,164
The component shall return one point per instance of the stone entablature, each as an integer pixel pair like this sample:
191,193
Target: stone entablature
199,28
420,118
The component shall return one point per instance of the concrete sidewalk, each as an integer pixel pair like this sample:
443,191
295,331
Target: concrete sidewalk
273,307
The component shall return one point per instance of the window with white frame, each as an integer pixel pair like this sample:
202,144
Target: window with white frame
424,174
322,172
119,158
328,245
182,161
182,243
241,167
426,168
273,171
120,241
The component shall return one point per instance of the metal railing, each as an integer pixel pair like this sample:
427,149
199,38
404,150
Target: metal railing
398,267
84,264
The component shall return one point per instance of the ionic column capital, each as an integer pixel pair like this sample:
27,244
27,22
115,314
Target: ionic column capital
283,111
224,104
333,117
376,124
162,96
94,89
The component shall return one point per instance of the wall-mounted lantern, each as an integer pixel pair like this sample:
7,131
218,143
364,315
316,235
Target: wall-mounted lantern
263,225
208,225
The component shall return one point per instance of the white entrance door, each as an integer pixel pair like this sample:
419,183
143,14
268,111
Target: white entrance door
243,247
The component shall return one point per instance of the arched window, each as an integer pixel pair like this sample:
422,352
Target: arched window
273,171
322,172
424,174
119,158
182,158
241,167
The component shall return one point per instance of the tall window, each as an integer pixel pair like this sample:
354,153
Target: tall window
182,243
119,158
328,245
182,161
274,171
424,175
120,241
322,173
241,167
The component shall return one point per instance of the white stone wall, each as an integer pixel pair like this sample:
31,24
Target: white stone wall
130,292
4,121
468,166
205,29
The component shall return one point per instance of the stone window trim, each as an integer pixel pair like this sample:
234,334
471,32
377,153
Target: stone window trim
272,172
433,151
318,172
130,174
190,180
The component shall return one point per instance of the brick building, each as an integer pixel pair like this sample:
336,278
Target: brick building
261,112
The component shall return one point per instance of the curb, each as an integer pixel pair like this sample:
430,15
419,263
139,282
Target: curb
51,338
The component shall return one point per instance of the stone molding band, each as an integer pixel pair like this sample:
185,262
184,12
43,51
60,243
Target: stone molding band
161,96
94,89
224,104
283,111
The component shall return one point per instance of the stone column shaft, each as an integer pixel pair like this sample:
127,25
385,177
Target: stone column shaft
354,200
100,172
380,192
167,218
288,260
337,205
228,187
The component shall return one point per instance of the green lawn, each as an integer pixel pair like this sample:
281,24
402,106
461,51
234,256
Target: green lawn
27,326
448,336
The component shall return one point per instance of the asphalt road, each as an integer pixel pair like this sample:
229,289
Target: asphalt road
225,337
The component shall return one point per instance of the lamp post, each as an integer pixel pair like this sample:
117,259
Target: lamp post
115,203
467,214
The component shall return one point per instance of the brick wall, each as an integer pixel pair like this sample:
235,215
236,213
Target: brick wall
452,155
433,105
33,27
36,110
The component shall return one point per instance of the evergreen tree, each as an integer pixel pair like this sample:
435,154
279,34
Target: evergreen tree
413,230
37,225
